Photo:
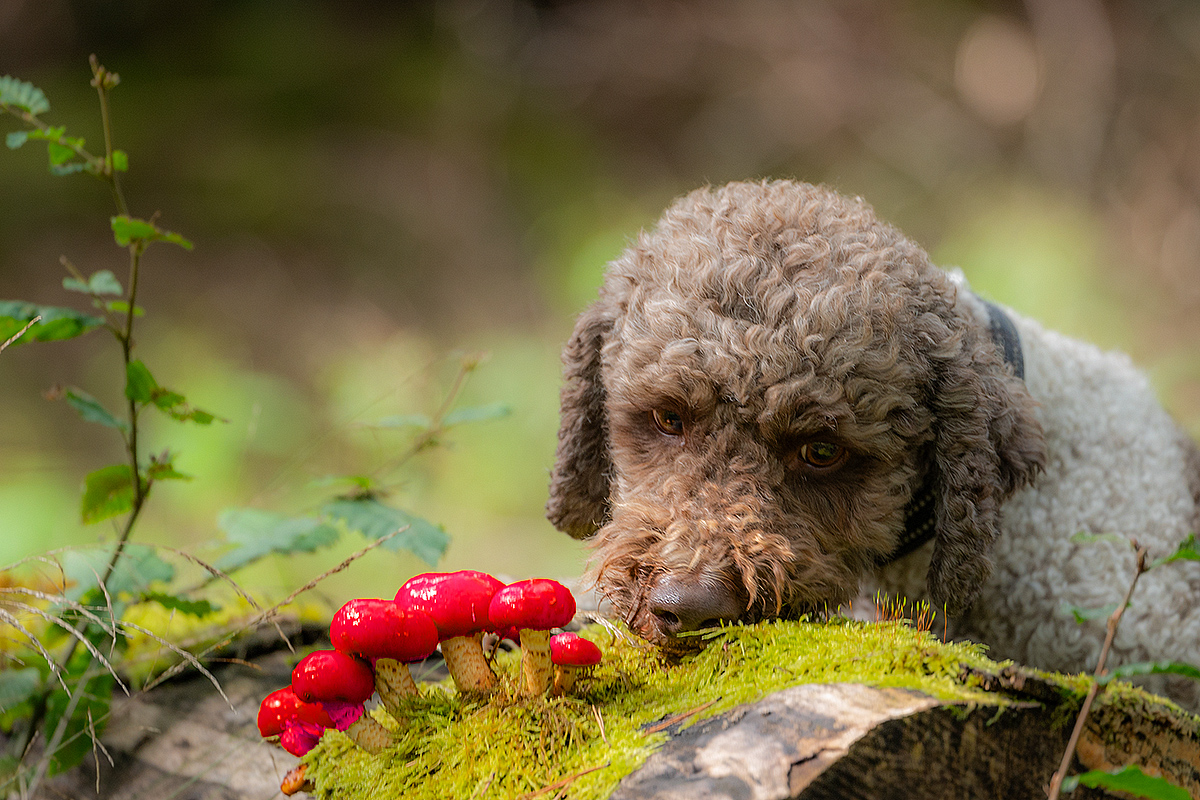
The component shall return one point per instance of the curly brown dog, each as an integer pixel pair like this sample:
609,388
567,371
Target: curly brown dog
778,400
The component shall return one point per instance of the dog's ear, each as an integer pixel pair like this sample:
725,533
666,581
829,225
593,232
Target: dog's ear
988,443
579,484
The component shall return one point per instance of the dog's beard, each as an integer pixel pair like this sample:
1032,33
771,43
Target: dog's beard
758,568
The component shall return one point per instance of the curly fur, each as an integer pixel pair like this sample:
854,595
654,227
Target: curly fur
770,316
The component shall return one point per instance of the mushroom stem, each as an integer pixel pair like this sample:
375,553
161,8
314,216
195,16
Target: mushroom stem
564,680
393,681
468,667
363,729
535,661
368,734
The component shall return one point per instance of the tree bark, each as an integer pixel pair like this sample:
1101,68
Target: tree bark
848,741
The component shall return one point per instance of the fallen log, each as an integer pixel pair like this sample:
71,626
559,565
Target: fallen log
849,741
771,711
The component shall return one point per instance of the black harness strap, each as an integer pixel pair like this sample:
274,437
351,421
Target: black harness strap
919,515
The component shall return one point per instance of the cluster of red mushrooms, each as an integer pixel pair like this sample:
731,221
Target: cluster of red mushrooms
375,640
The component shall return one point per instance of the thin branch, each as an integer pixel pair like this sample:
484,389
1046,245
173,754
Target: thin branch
60,730
430,435
20,333
666,723
104,81
1114,619
95,165
567,781
269,613
16,623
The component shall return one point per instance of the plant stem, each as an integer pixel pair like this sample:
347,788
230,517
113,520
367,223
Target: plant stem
427,437
60,730
1114,619
104,80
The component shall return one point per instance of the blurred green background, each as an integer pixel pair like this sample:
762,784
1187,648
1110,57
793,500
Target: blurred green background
375,188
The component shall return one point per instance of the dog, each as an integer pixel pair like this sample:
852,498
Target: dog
778,403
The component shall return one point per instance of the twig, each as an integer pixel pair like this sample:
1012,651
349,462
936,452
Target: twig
21,332
104,81
666,723
268,614
1114,619
429,436
564,782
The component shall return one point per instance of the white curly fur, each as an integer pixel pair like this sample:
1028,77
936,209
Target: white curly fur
1116,463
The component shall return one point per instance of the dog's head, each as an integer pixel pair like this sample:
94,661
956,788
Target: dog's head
766,381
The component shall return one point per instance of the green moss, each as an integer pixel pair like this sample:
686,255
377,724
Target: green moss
506,746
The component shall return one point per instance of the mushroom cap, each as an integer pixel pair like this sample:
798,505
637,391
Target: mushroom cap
332,675
299,737
572,650
373,628
537,603
282,706
457,601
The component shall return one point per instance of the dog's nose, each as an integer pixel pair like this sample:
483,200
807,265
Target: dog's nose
683,603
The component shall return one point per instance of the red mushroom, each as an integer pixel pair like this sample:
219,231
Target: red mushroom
298,724
341,684
281,707
299,737
533,607
458,603
570,653
389,637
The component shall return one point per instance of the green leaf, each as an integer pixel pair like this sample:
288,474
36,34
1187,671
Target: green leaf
120,161
375,520
165,471
15,139
175,405
107,492
141,387
23,95
1186,552
102,282
17,686
53,133
139,383
70,168
1150,668
357,484
90,714
1127,779
1082,615
193,608
402,421
476,414
259,533
55,324
1083,537
59,153
127,230
138,568
122,307
92,411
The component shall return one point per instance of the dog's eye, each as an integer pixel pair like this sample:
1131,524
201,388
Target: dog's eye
822,455
668,422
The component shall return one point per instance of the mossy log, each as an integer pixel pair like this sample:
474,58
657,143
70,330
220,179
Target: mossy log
848,741
787,710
